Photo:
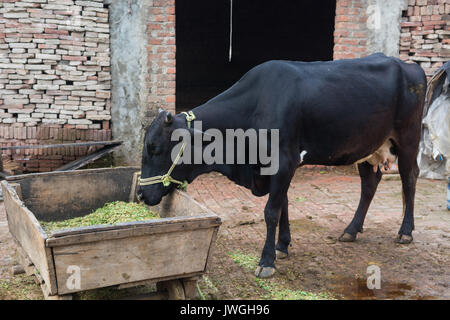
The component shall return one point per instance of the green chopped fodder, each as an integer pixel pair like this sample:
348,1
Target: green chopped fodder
111,213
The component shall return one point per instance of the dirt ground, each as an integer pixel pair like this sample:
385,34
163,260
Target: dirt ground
321,203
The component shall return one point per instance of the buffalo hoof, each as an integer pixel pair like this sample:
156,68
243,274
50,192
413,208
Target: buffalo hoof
347,237
404,239
264,272
281,254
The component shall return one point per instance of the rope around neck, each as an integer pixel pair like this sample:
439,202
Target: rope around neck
166,179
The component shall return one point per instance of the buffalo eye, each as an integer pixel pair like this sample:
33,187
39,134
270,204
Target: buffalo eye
169,118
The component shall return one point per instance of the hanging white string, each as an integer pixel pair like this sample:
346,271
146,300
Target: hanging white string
231,31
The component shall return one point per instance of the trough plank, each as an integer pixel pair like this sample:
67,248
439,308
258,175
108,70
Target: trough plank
112,262
195,275
63,195
21,177
212,245
130,229
28,233
179,203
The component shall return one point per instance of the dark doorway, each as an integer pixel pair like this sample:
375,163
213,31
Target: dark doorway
262,30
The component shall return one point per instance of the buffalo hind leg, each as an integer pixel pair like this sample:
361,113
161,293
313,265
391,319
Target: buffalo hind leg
284,234
369,184
409,171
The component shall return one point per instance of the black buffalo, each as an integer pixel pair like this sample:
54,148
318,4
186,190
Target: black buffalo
364,111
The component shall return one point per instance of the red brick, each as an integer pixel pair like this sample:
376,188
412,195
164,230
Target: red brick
170,99
56,31
410,24
74,58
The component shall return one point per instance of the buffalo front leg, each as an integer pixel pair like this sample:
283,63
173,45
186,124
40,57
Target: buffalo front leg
272,212
284,234
369,183
279,185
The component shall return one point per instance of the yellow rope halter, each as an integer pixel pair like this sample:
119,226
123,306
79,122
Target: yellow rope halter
166,179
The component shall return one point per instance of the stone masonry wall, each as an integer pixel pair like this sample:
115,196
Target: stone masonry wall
54,77
425,34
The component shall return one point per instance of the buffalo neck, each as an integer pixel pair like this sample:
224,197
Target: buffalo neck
229,110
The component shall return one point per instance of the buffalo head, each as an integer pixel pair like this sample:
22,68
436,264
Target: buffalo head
156,157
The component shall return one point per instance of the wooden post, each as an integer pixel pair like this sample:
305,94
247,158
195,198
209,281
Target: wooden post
174,289
190,288
134,186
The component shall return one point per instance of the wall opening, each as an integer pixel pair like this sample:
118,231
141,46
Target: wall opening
262,30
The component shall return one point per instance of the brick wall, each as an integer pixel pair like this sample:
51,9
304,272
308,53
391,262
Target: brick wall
161,55
55,67
350,30
42,160
424,37
54,76
425,34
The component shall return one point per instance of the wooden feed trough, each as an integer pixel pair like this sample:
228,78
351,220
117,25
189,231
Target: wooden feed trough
172,251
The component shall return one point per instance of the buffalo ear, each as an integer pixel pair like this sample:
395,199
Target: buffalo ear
169,118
